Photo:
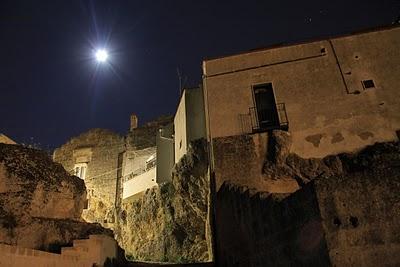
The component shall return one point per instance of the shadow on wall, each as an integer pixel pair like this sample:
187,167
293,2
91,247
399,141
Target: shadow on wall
256,229
347,215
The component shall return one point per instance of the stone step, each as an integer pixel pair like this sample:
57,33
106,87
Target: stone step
79,242
82,248
69,251
100,237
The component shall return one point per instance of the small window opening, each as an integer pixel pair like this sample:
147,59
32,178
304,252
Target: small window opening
86,204
368,84
337,222
180,144
354,221
80,170
323,50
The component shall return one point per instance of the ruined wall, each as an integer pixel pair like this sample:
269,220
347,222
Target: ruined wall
101,149
348,215
320,83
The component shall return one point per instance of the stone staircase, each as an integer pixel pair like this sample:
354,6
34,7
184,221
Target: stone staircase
97,249
84,253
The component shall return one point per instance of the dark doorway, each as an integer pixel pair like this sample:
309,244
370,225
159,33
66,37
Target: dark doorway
266,111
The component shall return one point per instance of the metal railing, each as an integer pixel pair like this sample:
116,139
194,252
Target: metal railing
137,172
265,119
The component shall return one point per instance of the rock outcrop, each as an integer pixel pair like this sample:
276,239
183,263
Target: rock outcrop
168,223
346,212
282,163
40,203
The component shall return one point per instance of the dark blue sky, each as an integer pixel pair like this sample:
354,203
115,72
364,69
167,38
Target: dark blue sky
50,89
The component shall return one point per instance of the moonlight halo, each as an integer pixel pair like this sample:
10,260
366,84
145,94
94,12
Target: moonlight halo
101,55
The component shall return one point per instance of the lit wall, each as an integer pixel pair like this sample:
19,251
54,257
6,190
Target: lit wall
180,135
139,183
320,82
189,122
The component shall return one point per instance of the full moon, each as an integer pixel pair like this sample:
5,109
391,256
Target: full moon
101,55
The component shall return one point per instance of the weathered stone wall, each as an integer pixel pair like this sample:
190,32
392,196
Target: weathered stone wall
240,160
348,215
360,211
320,82
104,149
256,229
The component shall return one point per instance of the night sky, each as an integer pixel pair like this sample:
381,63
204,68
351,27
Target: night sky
51,87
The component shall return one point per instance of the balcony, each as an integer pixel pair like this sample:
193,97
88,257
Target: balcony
263,120
139,183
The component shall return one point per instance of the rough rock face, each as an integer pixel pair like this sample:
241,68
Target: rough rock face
282,164
40,203
346,213
169,222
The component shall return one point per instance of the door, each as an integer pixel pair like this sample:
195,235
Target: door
266,111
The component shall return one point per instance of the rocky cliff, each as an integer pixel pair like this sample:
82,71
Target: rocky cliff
345,212
169,222
40,203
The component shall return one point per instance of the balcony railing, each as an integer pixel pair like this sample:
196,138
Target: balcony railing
266,119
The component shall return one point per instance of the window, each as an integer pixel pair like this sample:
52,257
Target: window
80,170
266,110
86,204
368,84
151,162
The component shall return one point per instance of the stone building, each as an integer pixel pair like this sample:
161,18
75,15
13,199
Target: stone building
334,95
140,158
96,157
278,121
114,167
